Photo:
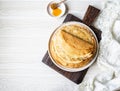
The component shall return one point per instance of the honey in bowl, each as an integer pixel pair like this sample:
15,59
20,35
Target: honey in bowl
56,11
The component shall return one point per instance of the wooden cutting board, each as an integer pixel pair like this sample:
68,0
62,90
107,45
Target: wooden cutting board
88,19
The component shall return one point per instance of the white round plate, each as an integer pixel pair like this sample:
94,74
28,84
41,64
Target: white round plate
74,69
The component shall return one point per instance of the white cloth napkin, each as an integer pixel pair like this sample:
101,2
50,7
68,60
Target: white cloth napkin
104,75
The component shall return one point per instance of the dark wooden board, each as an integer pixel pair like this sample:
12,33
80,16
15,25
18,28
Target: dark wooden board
90,15
76,77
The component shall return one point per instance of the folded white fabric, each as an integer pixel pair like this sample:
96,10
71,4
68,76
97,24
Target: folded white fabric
116,30
106,77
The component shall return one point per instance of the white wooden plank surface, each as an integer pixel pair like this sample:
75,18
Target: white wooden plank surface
25,28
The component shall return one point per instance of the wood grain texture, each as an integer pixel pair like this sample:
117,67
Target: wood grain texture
90,15
76,77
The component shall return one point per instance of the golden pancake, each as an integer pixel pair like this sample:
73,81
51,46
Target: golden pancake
72,46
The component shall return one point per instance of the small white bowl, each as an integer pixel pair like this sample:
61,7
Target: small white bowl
74,69
62,7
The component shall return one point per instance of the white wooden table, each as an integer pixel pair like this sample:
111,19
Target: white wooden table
25,28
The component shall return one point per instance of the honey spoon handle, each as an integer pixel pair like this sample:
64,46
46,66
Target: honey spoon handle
90,15
62,1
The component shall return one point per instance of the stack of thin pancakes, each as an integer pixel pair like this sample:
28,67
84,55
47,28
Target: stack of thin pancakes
72,46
